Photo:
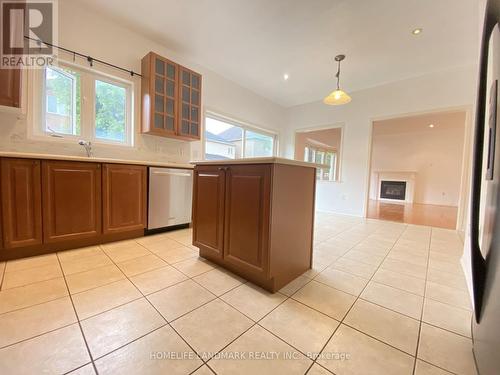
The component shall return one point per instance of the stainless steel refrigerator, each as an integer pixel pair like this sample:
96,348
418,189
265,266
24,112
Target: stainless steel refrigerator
485,214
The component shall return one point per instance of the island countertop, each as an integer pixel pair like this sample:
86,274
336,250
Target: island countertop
261,160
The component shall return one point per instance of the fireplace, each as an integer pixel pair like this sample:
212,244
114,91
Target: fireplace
393,190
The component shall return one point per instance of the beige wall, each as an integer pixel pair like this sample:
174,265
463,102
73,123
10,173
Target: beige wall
435,154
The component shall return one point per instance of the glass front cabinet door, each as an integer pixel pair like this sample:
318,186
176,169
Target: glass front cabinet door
171,99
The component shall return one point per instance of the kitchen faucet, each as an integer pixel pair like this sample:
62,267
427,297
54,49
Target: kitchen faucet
87,145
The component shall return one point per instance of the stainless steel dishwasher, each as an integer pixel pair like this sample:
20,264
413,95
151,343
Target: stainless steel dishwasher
170,194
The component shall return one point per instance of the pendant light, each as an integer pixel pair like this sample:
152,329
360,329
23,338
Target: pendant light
338,96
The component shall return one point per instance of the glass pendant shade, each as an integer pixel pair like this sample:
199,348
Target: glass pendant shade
337,97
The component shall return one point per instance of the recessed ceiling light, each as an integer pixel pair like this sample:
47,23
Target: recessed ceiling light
417,31
431,125
286,76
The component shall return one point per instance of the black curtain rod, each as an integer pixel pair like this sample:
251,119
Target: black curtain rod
90,59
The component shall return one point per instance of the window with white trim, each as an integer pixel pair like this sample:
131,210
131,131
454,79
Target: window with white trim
227,139
326,161
77,103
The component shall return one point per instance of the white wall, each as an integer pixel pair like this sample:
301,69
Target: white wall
90,33
435,154
437,91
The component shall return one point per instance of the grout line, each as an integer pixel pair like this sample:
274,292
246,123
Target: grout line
423,304
77,318
351,307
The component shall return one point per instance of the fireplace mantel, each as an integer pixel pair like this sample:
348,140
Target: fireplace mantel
407,176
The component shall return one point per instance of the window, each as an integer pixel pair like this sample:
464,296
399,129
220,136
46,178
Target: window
326,161
230,140
81,103
62,101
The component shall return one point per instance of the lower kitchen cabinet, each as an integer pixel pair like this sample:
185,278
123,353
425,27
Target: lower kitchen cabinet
72,206
248,198
21,202
208,209
255,219
124,198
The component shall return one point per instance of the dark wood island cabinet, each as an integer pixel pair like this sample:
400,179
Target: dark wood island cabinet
255,217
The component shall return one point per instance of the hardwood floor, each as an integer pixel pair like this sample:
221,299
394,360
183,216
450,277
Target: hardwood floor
421,214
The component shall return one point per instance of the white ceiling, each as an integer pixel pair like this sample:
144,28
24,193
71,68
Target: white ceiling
254,42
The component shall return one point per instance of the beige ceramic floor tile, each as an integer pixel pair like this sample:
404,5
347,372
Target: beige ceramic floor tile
153,281
364,257
180,299
300,326
405,268
83,252
329,301
364,353
79,282
449,267
32,294
211,327
294,285
253,301
203,370
398,280
163,244
424,368
110,330
31,321
106,297
258,340
446,294
420,260
318,370
355,267
449,317
31,275
218,281
84,370
139,356
388,326
394,299
67,352
447,279
140,265
31,262
446,350
126,252
343,281
194,266
177,255
85,264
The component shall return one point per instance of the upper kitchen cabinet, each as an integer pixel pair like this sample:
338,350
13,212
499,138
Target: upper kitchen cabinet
10,88
189,103
171,99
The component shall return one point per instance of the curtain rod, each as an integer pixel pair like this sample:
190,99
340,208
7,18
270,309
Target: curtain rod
89,59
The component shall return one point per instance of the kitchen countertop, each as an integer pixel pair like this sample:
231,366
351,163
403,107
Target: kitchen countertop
28,155
263,160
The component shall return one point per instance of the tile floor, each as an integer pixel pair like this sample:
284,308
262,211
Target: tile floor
382,298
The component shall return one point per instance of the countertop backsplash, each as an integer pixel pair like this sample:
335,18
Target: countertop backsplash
14,137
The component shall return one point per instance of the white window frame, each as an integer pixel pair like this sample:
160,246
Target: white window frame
37,106
244,126
322,165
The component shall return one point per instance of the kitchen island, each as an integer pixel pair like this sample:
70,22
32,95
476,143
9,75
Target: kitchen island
255,217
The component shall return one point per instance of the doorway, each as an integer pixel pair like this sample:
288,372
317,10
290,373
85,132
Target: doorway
417,168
